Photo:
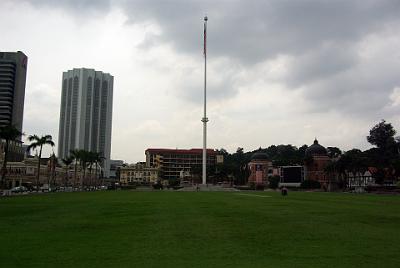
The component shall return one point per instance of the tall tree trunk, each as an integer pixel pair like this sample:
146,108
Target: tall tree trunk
66,177
4,167
95,176
84,176
75,173
90,176
38,169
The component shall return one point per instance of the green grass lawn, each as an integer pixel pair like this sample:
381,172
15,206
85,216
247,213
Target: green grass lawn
200,229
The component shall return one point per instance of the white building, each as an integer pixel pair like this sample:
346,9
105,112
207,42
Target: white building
86,113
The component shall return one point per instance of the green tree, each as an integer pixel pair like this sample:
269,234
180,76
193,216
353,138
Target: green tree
7,133
274,181
39,142
75,155
334,152
67,162
91,161
98,160
382,135
84,160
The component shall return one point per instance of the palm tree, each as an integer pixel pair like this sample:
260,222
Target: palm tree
98,158
85,158
92,157
67,162
76,156
37,141
7,133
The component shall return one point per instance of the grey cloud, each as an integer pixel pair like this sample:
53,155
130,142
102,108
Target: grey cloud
76,7
251,31
322,37
324,62
358,92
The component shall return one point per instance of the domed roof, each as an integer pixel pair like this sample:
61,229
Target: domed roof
259,156
316,149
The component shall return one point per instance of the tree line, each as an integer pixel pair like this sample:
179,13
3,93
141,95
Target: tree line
84,159
383,157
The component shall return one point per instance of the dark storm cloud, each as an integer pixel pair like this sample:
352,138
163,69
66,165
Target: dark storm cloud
252,31
321,38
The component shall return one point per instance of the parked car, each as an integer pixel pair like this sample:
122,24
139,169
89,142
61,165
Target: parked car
19,189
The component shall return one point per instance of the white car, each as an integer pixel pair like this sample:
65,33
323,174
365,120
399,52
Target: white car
19,189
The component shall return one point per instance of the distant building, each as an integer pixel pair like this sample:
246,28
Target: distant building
13,68
316,159
260,168
114,165
138,174
359,179
24,173
176,163
86,113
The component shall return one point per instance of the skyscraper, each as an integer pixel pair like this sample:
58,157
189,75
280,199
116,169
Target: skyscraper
12,88
86,113
13,67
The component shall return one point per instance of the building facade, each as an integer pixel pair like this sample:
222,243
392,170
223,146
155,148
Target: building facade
175,163
13,68
51,173
86,113
138,174
316,159
260,168
115,165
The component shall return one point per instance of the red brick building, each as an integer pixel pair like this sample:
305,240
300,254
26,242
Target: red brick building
260,166
316,159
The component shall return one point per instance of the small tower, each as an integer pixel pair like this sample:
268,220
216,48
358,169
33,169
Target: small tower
259,167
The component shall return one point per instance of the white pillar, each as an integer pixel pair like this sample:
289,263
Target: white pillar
205,119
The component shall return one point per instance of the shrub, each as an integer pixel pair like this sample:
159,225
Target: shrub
243,187
158,186
173,182
274,182
257,187
310,184
260,187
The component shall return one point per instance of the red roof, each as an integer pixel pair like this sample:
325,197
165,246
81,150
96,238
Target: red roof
180,151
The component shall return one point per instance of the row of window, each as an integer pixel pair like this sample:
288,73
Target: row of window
69,105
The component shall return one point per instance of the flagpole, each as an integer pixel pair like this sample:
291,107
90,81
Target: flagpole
205,119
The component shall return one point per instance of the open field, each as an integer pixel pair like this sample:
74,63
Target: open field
200,229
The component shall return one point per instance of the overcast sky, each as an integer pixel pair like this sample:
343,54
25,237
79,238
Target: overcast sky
279,72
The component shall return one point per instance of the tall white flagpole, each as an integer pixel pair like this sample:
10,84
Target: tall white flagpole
205,119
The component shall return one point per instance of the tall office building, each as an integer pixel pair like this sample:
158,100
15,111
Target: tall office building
12,88
86,113
13,67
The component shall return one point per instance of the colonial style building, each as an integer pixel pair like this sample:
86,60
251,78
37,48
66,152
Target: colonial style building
316,159
24,173
138,173
260,167
51,173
